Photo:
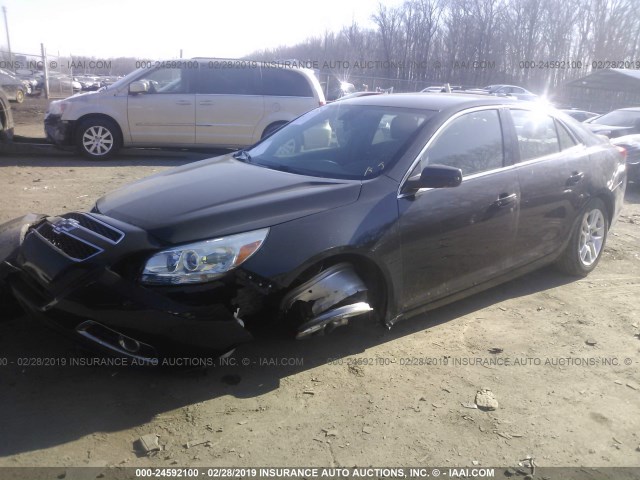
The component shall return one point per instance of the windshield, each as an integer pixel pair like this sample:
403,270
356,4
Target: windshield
340,141
619,118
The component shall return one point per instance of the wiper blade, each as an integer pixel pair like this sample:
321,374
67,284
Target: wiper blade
242,155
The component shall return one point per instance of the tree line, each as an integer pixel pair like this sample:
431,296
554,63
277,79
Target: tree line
533,43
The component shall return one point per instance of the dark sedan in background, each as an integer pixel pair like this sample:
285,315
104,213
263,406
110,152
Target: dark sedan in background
580,115
411,202
617,123
631,145
13,87
510,90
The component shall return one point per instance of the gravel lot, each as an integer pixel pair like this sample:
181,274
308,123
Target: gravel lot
569,395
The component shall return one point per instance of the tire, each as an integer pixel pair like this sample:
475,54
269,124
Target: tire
98,139
587,240
19,96
274,127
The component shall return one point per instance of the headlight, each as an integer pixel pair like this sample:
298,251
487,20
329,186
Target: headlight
57,107
202,261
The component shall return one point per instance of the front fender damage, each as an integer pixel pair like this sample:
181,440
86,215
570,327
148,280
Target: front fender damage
12,235
326,301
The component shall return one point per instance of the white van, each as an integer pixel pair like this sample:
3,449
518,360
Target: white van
184,103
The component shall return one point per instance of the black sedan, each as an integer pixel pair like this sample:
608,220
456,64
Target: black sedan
411,202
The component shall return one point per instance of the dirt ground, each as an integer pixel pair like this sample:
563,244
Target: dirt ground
560,355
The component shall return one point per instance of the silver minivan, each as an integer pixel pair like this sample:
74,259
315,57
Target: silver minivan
184,103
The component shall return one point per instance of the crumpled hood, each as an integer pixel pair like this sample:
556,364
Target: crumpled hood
222,196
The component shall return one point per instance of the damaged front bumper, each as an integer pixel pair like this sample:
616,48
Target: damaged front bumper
58,131
78,272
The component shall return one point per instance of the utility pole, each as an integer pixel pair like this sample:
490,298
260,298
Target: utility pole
45,71
6,27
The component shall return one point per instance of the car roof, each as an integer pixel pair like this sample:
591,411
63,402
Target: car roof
428,101
630,109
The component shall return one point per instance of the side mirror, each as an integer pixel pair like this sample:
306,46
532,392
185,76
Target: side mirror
434,176
139,86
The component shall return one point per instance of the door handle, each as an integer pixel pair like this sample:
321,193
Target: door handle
209,102
575,178
505,199
183,102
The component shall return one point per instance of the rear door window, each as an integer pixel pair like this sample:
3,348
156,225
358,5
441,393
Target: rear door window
228,81
284,83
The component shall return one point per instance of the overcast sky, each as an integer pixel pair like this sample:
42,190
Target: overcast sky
159,28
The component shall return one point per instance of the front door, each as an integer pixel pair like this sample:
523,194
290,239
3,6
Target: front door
455,238
165,115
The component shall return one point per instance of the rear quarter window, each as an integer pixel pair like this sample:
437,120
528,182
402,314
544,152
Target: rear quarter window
537,135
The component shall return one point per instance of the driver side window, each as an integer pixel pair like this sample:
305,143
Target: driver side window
167,80
471,142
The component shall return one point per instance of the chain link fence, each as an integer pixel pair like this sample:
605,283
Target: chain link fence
32,68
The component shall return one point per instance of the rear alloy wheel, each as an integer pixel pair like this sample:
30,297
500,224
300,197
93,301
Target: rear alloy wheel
587,241
98,139
19,96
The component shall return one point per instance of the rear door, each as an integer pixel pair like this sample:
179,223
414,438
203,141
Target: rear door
229,104
455,238
166,114
551,170
287,94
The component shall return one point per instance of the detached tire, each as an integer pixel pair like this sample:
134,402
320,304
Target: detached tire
98,139
587,241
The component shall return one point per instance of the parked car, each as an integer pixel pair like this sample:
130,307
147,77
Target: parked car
59,84
220,104
618,123
441,88
12,86
510,90
631,145
580,115
358,94
27,80
6,118
460,193
434,89
89,83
